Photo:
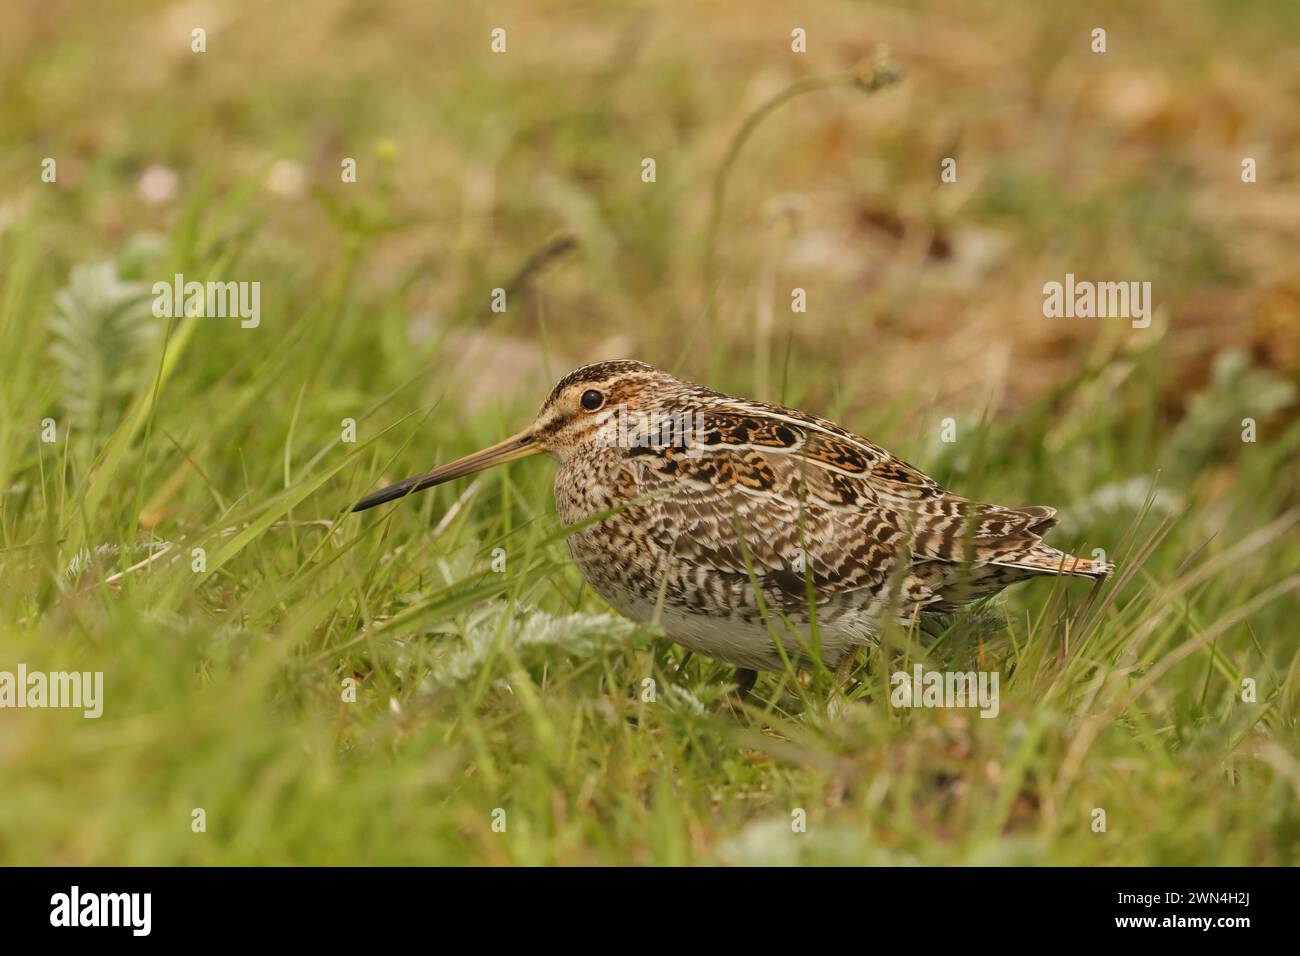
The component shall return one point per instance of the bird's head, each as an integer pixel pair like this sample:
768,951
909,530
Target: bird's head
590,407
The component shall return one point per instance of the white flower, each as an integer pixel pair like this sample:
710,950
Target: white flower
158,184
286,178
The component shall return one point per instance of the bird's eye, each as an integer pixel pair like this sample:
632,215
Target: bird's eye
592,399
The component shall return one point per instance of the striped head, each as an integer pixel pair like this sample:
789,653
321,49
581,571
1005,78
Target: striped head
589,407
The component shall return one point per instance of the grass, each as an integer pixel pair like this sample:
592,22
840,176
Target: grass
479,690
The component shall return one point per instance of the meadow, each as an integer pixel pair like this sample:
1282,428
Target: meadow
432,682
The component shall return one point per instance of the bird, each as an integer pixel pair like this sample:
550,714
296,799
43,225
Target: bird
735,525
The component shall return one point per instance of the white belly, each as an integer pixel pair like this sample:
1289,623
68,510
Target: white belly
744,643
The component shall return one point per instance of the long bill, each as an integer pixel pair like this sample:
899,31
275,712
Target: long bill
516,446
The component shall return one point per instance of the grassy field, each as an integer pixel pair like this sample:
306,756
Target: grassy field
1169,701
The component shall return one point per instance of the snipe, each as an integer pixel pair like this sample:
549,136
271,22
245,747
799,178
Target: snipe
734,522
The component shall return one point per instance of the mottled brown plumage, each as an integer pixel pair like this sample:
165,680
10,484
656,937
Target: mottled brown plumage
722,517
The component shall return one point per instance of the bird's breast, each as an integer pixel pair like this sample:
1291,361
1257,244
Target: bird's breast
617,548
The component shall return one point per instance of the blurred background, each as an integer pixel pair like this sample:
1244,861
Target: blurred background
1119,166
523,170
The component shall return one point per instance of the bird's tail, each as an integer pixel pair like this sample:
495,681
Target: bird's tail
1044,559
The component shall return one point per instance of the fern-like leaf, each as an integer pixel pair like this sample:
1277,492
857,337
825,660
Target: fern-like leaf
102,327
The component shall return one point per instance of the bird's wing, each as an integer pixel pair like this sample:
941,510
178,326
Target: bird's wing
860,507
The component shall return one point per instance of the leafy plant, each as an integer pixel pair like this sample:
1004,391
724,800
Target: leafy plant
102,327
